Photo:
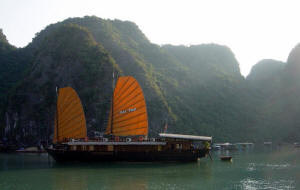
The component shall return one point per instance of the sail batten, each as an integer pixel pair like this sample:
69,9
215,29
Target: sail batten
130,117
125,97
130,123
127,117
132,99
69,117
121,93
128,113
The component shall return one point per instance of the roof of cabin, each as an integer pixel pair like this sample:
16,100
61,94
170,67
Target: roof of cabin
190,137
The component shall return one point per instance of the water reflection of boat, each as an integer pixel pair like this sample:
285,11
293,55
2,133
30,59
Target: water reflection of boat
126,137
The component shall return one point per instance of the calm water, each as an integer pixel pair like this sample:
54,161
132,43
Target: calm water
268,168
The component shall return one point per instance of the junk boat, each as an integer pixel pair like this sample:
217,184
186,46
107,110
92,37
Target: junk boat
126,137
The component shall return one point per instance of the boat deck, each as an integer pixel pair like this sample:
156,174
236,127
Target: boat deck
115,143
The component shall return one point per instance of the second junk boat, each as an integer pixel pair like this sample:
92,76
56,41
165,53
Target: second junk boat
126,137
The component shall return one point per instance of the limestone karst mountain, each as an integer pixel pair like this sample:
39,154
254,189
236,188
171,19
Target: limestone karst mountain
196,89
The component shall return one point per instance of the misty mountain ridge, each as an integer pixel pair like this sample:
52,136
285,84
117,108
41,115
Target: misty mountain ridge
197,89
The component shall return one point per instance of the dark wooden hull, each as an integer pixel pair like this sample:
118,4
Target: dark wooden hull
226,158
8,149
132,156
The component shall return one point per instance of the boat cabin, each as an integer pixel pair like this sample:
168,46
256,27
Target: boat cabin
185,142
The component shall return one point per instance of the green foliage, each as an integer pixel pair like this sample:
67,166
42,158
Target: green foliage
265,70
3,39
66,56
197,89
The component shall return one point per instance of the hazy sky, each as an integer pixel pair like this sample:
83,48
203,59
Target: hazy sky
254,29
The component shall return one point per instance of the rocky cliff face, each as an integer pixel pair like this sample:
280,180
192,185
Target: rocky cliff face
266,69
277,86
66,56
196,89
293,62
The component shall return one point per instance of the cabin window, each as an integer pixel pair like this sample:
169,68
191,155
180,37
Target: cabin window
110,147
73,147
159,148
91,148
178,146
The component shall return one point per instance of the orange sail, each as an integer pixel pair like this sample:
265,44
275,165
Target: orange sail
128,114
69,118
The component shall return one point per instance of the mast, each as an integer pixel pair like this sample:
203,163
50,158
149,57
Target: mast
112,102
57,91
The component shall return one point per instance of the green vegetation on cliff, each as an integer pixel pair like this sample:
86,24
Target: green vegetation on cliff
196,89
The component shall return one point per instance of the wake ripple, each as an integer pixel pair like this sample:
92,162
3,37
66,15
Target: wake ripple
252,184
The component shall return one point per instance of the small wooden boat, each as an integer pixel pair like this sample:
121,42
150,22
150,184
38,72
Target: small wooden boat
226,158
